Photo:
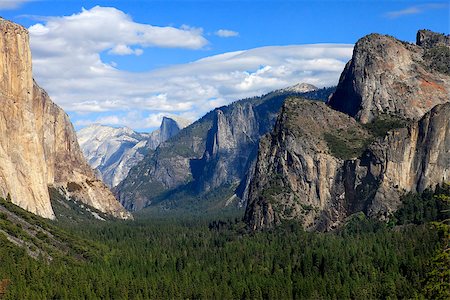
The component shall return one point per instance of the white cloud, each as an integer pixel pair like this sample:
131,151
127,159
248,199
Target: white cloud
67,63
103,28
122,49
416,9
226,33
134,119
11,4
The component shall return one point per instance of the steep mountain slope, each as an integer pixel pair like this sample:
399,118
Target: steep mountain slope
114,151
319,165
39,147
215,152
389,77
39,237
302,174
22,167
296,171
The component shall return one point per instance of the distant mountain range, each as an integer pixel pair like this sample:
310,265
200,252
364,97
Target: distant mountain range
114,151
210,159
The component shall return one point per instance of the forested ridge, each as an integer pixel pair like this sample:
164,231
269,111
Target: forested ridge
185,257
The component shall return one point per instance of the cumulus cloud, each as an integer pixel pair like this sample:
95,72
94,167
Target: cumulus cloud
133,119
67,63
225,33
103,28
415,10
122,49
11,4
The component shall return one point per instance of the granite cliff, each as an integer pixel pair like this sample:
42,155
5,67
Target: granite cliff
388,77
114,151
39,148
384,132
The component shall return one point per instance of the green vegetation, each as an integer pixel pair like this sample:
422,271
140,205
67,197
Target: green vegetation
427,207
346,144
185,257
384,123
73,211
185,200
438,58
351,143
438,278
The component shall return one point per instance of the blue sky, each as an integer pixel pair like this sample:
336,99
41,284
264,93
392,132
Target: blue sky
151,68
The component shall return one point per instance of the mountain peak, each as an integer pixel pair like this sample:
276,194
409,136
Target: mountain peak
415,83
300,88
180,122
427,39
113,151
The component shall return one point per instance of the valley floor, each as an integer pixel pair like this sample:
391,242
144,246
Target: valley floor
166,258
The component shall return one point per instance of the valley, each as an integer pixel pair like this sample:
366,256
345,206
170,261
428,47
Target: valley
216,257
269,179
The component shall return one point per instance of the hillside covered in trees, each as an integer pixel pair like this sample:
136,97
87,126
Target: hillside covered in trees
164,258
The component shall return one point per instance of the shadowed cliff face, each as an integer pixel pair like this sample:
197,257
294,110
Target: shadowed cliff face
388,77
230,146
320,165
39,147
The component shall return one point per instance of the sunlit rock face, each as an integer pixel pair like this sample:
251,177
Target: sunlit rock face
39,147
113,151
298,175
389,77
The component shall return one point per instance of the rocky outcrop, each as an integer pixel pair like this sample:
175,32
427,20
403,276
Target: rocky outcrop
391,78
319,165
170,126
216,152
230,146
298,175
428,39
22,160
300,88
296,171
39,147
410,159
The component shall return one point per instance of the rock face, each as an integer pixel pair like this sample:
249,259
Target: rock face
428,39
230,146
39,147
22,167
319,165
114,151
298,176
295,174
407,160
216,152
300,88
170,126
388,77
